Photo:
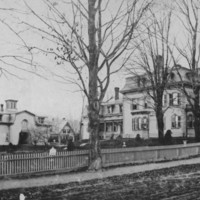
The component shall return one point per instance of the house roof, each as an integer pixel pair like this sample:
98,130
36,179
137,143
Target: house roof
25,111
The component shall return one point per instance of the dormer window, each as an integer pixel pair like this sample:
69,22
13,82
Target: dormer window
41,120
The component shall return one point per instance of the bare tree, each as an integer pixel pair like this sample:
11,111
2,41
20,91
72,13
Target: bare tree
188,15
91,39
39,135
154,64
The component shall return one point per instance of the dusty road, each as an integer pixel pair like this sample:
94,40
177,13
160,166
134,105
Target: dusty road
182,182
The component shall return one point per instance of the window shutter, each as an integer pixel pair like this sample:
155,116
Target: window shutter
179,121
133,124
179,98
170,99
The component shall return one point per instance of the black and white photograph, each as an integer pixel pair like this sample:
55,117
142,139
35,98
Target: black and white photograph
99,100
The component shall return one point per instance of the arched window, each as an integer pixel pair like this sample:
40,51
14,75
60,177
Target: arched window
176,121
24,125
190,121
145,123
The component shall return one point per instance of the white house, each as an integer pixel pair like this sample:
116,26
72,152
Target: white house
16,126
111,119
61,131
139,117
134,113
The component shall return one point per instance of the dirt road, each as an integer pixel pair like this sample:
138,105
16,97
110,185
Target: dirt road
181,182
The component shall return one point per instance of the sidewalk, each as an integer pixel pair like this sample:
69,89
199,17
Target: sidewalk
84,176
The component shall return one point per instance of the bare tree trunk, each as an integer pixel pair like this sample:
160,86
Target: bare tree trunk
196,114
93,114
159,117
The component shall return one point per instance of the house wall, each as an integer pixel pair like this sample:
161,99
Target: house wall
4,131
152,132
84,129
127,116
17,126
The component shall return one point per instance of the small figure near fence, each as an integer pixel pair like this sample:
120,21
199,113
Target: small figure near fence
52,151
22,197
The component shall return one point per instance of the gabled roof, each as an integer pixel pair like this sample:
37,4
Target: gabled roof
25,111
59,126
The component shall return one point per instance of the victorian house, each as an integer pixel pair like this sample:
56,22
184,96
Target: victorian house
111,119
139,117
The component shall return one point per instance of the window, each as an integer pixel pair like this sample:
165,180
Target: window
108,109
64,131
164,100
145,123
120,108
108,127
135,124
24,125
176,121
111,109
1,116
134,105
190,121
41,120
115,127
139,123
175,99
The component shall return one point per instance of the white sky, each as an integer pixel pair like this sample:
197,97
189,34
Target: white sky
43,97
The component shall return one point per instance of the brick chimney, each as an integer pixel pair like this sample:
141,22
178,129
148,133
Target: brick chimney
116,93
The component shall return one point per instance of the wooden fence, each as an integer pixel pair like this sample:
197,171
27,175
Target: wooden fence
111,157
28,163
31,163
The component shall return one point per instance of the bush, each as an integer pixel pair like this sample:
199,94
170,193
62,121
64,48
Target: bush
138,138
168,137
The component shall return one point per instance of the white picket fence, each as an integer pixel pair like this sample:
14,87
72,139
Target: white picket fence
31,163
27,163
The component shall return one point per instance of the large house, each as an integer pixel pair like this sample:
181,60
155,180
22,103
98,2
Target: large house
16,126
111,118
139,117
134,114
